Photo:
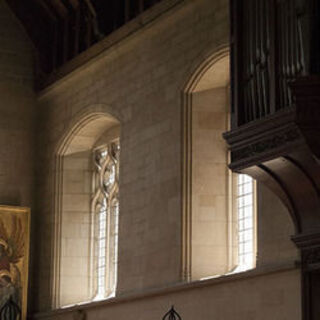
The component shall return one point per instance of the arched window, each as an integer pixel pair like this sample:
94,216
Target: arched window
220,219
105,206
87,212
246,222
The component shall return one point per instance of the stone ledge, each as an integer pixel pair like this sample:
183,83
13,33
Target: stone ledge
130,297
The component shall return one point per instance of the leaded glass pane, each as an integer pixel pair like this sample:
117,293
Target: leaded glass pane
245,212
106,210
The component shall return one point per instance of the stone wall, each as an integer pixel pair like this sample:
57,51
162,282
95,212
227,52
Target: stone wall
210,189
139,81
256,296
77,216
17,105
17,112
274,230
214,240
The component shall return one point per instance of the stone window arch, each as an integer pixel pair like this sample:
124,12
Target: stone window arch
87,166
219,213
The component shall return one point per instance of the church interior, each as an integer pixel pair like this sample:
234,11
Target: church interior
166,153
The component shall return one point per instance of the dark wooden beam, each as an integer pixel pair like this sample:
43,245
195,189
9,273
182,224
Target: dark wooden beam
55,47
92,25
127,10
59,7
65,39
76,31
74,4
141,6
91,8
50,12
88,34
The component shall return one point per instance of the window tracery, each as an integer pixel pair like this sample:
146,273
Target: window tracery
105,206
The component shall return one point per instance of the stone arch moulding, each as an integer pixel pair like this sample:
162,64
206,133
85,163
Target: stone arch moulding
196,74
81,119
83,131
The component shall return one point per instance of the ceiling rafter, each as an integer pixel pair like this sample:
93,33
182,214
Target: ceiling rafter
59,7
69,27
47,9
91,7
74,3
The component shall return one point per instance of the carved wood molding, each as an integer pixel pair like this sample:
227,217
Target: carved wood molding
310,240
269,143
286,145
265,139
311,257
278,134
310,251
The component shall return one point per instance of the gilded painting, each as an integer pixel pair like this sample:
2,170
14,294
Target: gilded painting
14,259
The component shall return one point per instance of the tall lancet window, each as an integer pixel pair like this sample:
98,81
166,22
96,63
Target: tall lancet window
105,206
246,222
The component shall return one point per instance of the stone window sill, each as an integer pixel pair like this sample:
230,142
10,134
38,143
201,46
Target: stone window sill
174,288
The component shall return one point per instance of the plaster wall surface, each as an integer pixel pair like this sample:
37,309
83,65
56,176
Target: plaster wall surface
139,81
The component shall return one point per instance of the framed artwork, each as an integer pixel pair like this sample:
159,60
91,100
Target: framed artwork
14,261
